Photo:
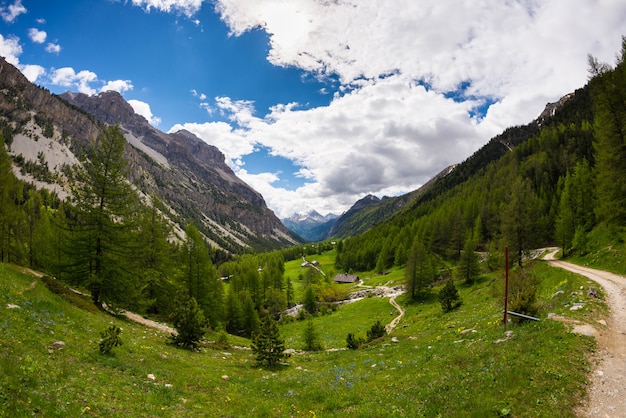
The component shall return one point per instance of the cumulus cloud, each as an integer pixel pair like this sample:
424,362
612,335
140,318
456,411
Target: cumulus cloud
37,36
186,7
32,72
10,49
12,11
412,75
53,48
143,109
119,86
67,77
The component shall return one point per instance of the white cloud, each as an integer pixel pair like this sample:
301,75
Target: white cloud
200,96
67,77
119,86
186,7
143,109
37,36
32,72
10,49
12,11
53,48
385,133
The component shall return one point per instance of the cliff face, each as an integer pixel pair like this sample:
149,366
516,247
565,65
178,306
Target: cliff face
189,176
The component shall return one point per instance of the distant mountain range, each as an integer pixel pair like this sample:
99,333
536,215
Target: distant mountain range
311,226
188,177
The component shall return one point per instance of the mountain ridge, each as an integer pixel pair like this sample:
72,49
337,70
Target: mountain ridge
188,175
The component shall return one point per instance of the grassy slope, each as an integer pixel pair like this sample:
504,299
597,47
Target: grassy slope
435,368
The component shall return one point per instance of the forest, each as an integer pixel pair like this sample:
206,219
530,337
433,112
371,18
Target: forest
558,182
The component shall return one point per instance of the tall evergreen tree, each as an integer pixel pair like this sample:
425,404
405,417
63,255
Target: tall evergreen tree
105,205
518,219
419,272
200,277
469,268
609,104
268,346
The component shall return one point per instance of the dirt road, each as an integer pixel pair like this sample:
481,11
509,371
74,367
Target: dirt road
607,391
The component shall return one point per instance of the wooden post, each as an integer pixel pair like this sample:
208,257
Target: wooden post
506,286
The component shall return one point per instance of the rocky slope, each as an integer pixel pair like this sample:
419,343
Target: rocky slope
186,174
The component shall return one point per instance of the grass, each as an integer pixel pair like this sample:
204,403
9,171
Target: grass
605,250
441,365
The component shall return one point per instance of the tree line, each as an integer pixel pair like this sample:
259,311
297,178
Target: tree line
567,176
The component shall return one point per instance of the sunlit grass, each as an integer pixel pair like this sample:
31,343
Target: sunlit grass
441,365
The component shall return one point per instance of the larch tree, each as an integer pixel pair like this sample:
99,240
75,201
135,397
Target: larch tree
102,228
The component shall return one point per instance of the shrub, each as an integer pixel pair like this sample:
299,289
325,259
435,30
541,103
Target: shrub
449,297
110,338
523,293
189,323
353,342
377,331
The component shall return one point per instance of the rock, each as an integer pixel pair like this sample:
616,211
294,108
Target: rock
507,336
225,377
465,331
577,307
592,292
12,306
59,345
559,292
394,340
602,322
584,329
151,376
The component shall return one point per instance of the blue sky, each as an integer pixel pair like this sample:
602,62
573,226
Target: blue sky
316,104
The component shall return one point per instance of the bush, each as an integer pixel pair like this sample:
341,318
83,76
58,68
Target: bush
189,323
353,342
110,338
377,331
523,293
449,297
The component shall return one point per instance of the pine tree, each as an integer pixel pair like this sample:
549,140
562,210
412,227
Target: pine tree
105,205
189,323
267,345
310,300
200,277
609,105
449,297
311,338
469,268
419,272
234,314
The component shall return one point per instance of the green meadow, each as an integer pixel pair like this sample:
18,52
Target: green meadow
433,364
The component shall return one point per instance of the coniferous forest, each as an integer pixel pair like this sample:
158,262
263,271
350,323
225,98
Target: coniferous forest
548,183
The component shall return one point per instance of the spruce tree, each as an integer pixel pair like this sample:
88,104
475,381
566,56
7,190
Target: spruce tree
267,345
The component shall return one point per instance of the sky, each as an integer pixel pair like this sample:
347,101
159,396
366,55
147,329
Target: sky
317,103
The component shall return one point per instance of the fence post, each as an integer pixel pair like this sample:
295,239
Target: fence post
506,286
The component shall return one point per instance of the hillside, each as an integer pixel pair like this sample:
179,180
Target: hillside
432,364
47,134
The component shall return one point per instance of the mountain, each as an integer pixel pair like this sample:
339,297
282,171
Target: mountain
187,176
311,226
370,211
